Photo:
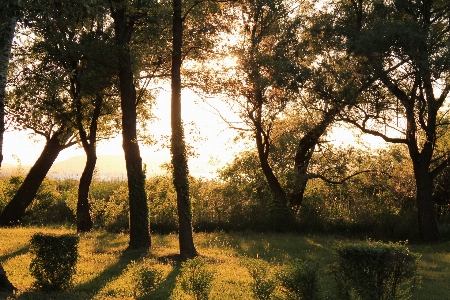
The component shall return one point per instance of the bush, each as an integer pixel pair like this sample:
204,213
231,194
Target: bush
55,260
112,213
8,188
48,206
162,204
300,280
147,279
196,279
264,283
375,271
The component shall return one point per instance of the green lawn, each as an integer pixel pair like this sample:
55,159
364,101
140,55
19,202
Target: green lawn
105,269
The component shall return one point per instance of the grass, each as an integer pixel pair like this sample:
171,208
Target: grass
105,270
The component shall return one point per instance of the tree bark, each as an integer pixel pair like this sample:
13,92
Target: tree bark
15,209
5,46
428,229
6,38
84,220
272,180
280,218
305,150
139,215
178,147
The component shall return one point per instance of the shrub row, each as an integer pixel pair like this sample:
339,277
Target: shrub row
361,208
363,271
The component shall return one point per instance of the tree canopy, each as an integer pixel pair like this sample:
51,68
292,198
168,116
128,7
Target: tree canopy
291,71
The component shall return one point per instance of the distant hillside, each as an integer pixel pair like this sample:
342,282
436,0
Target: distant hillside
10,169
108,167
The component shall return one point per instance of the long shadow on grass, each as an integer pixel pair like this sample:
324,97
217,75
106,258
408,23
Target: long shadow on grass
165,288
271,246
91,288
96,284
15,253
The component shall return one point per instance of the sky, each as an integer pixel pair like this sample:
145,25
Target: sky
214,150
215,147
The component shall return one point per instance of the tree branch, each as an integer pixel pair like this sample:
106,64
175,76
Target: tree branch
374,132
320,176
444,164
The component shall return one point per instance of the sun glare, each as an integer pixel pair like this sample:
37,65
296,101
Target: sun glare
205,131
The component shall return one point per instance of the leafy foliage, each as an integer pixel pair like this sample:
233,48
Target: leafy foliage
196,278
375,271
378,205
300,280
49,206
162,204
147,278
112,212
264,281
55,260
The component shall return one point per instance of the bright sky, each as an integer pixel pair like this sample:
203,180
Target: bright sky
214,150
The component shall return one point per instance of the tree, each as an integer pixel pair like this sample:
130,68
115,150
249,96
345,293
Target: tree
188,20
57,140
93,94
73,53
266,84
125,17
406,47
9,11
178,146
333,85
287,81
38,103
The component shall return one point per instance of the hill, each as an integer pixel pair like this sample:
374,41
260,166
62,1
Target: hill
107,167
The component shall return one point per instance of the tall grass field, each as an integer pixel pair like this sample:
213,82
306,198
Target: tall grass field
107,270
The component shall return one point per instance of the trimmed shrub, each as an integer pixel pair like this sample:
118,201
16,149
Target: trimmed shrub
196,278
264,283
375,271
54,261
299,280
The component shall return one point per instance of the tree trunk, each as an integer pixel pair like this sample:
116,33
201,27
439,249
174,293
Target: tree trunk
6,38
305,150
178,147
5,46
272,180
84,220
280,218
15,209
139,216
428,229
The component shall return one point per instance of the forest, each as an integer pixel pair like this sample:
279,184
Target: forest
80,72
